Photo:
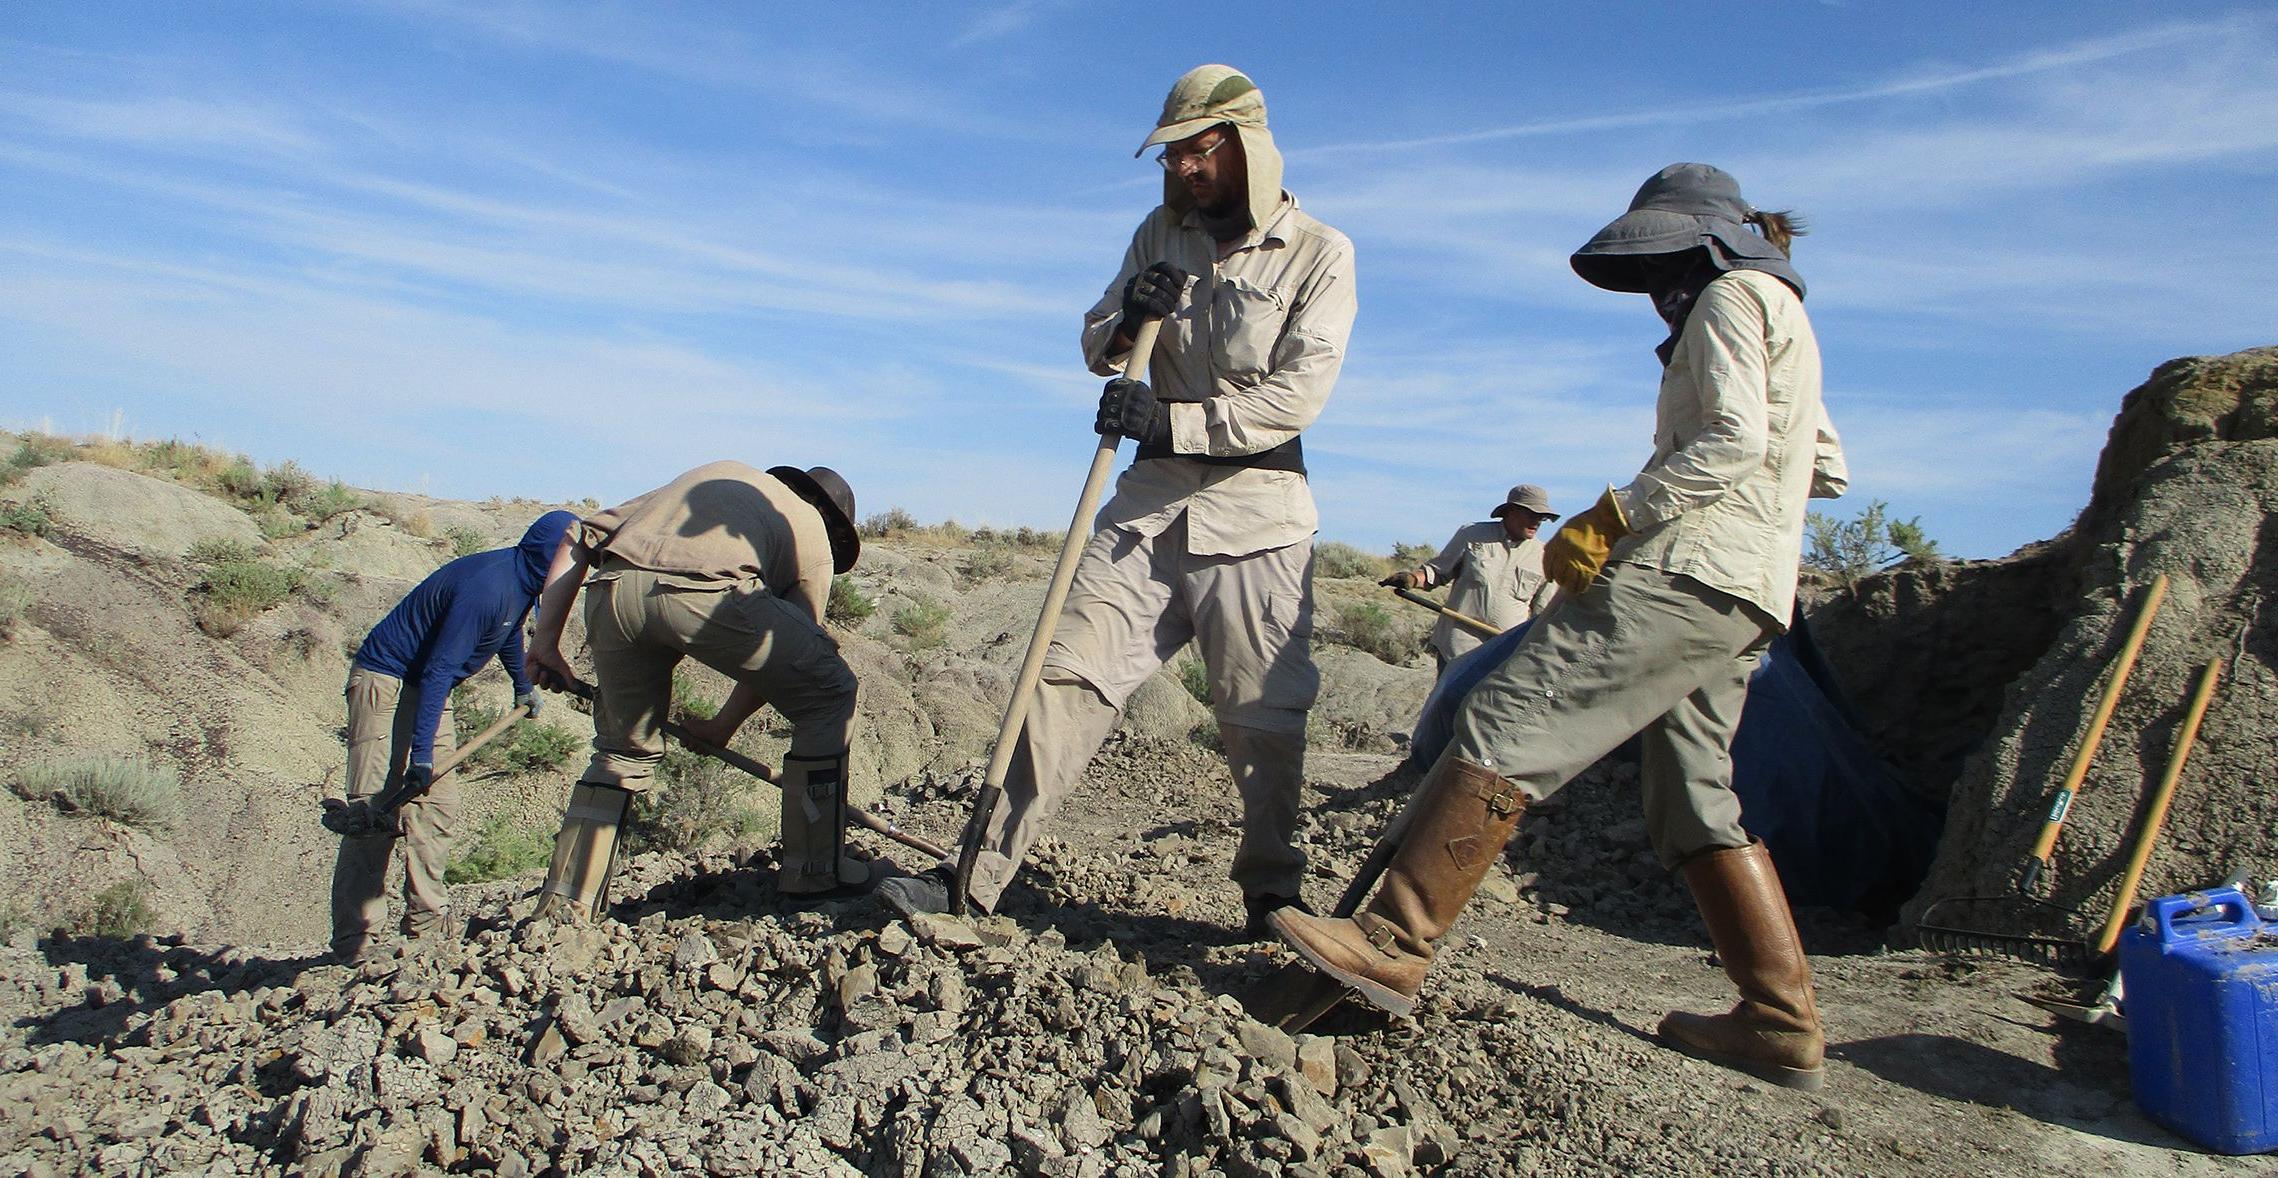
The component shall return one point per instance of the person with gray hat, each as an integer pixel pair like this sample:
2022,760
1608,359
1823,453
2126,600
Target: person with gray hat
730,566
1209,535
1495,570
1676,583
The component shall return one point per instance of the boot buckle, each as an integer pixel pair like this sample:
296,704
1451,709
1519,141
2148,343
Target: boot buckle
1502,797
1380,935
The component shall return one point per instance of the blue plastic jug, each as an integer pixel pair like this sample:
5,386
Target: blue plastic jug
2201,975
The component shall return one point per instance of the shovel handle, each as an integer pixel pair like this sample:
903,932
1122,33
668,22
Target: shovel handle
1483,629
862,818
2044,847
1032,666
2156,817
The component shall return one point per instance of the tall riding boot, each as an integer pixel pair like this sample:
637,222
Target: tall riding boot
1774,1032
1462,816
585,853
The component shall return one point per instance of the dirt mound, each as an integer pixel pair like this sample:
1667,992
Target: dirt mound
132,512
2187,486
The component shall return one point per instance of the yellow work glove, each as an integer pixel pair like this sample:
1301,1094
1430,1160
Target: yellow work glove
1574,556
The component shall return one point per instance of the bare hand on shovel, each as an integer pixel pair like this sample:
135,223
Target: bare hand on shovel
377,815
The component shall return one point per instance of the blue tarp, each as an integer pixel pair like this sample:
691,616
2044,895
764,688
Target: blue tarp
1844,831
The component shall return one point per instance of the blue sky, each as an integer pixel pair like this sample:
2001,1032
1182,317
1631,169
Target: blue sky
569,250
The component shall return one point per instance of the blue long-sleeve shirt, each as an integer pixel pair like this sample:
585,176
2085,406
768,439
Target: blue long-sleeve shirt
457,619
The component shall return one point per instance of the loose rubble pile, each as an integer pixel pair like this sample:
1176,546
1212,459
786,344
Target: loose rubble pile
1093,1029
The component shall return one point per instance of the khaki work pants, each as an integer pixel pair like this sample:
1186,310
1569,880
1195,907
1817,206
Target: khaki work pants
381,713
1643,651
640,627
1135,602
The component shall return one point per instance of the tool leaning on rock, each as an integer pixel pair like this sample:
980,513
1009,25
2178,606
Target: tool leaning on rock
674,729
376,815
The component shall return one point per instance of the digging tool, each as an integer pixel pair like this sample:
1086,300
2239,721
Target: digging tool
365,817
1483,629
861,817
2156,816
2044,847
2103,1012
1032,666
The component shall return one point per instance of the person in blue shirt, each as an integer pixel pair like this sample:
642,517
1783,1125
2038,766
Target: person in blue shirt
399,717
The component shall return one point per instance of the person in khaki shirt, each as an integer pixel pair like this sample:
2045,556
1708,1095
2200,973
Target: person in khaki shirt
1495,569
1677,582
730,566
1209,536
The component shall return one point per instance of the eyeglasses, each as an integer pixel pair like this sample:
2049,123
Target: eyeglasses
1171,161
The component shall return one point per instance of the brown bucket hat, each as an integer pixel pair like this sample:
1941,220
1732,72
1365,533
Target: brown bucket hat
827,493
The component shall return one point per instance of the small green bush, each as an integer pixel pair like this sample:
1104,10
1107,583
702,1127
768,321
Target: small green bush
533,745
323,503
849,606
33,450
693,697
464,541
1195,677
287,484
924,622
1027,537
1408,556
1848,550
501,849
988,563
697,800
1337,559
241,480
218,551
119,911
1370,628
126,789
30,518
15,599
889,522
236,591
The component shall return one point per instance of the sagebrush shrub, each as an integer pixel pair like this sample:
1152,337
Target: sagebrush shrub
126,789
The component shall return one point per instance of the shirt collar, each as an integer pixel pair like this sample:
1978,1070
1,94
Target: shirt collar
1271,231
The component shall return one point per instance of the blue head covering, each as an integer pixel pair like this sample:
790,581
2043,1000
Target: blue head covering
536,549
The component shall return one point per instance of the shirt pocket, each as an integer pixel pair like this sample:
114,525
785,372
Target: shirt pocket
1245,322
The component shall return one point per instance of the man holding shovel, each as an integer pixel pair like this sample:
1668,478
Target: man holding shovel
730,566
399,713
1209,536
1495,566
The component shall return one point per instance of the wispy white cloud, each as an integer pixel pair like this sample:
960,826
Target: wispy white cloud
1004,20
1910,83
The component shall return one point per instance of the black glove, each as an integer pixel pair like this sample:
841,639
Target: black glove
1406,579
416,779
1128,407
1152,293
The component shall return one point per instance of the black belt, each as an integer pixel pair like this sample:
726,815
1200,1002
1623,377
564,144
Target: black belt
1290,455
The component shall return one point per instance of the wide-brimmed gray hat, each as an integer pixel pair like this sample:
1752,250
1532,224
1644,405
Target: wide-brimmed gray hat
1205,97
826,491
1528,496
1682,206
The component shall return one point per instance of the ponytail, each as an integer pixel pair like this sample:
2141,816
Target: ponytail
1780,228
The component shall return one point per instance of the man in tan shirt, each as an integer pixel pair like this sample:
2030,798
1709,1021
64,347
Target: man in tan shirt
1678,581
1209,536
730,566
1495,567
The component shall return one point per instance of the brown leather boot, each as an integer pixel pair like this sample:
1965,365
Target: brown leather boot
1774,1033
1462,816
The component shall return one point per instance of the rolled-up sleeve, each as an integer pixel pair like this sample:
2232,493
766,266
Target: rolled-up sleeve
1830,474
1723,342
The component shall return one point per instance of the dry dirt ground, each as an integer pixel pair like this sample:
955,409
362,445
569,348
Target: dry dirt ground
838,1042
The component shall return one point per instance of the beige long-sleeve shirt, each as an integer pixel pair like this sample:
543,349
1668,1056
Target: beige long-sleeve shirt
717,526
1741,442
1246,362
1496,579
